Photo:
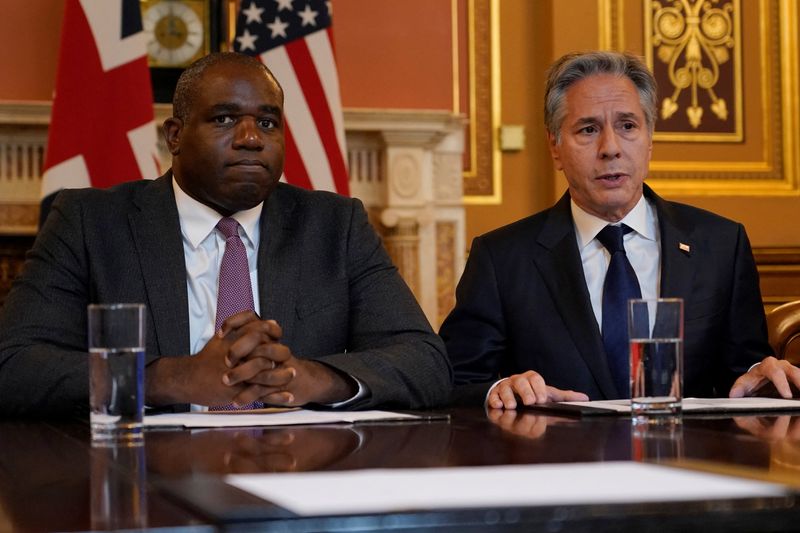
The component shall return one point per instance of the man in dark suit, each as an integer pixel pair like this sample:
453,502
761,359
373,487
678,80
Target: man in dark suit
339,326
527,325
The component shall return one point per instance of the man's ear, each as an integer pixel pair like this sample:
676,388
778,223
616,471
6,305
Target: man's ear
554,152
172,134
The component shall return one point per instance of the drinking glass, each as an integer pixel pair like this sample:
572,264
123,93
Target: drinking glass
655,327
116,371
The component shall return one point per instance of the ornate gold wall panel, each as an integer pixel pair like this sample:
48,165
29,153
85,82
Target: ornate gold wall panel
755,150
694,50
482,183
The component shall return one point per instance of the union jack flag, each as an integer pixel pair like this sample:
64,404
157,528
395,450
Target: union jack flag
102,129
293,38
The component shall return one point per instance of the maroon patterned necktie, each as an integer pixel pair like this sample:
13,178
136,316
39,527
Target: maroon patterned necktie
234,292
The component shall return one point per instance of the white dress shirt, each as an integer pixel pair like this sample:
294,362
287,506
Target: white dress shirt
203,248
642,246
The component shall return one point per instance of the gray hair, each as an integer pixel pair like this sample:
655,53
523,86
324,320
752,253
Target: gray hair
574,67
186,88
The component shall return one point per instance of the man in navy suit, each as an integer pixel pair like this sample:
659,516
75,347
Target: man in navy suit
336,325
527,322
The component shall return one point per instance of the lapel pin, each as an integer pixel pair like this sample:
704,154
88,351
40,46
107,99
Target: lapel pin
684,247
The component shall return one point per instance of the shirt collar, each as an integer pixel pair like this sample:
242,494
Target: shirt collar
642,219
199,220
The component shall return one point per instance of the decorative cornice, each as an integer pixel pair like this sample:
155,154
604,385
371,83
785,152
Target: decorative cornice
27,113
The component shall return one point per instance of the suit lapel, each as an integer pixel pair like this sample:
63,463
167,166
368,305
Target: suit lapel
155,227
677,272
562,271
279,258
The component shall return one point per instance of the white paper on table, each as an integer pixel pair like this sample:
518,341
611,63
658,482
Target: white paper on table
709,405
733,404
284,418
396,490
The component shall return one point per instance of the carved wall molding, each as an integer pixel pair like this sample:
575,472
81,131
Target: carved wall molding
445,267
406,173
448,187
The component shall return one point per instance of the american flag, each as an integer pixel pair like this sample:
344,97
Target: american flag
293,38
102,129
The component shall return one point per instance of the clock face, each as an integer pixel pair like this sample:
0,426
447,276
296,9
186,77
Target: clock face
176,33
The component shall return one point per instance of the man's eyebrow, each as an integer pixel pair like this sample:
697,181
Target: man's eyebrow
586,120
270,109
628,115
225,108
229,107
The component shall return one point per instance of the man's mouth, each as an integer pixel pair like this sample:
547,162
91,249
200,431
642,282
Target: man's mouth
246,163
611,178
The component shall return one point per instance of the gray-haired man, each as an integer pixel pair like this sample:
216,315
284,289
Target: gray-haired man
528,323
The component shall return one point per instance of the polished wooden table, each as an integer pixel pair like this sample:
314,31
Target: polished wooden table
51,478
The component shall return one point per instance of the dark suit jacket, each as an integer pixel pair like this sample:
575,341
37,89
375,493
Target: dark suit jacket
323,275
522,304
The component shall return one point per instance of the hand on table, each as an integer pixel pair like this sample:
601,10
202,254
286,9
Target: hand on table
245,362
269,372
530,388
782,374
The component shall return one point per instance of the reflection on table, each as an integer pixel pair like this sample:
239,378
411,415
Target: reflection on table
51,478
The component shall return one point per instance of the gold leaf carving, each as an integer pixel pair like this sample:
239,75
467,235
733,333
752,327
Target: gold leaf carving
693,37
721,54
665,52
668,108
720,109
695,114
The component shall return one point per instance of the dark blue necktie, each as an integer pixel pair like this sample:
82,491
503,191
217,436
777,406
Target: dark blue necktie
620,286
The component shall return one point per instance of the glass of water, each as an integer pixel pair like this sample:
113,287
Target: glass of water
655,327
116,371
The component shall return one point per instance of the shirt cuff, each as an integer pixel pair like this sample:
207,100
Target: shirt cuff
486,399
360,393
752,367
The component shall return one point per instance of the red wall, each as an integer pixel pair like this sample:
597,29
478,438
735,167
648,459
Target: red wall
29,37
391,53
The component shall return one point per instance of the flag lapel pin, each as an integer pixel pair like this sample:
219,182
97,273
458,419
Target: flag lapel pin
685,248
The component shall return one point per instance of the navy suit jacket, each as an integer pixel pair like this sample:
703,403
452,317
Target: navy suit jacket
522,304
322,274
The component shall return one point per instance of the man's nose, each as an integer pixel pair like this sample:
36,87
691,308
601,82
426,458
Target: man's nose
248,135
609,144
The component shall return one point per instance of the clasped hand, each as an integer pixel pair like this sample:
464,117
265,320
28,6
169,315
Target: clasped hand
246,362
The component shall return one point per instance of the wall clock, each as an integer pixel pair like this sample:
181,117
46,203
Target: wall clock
177,31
